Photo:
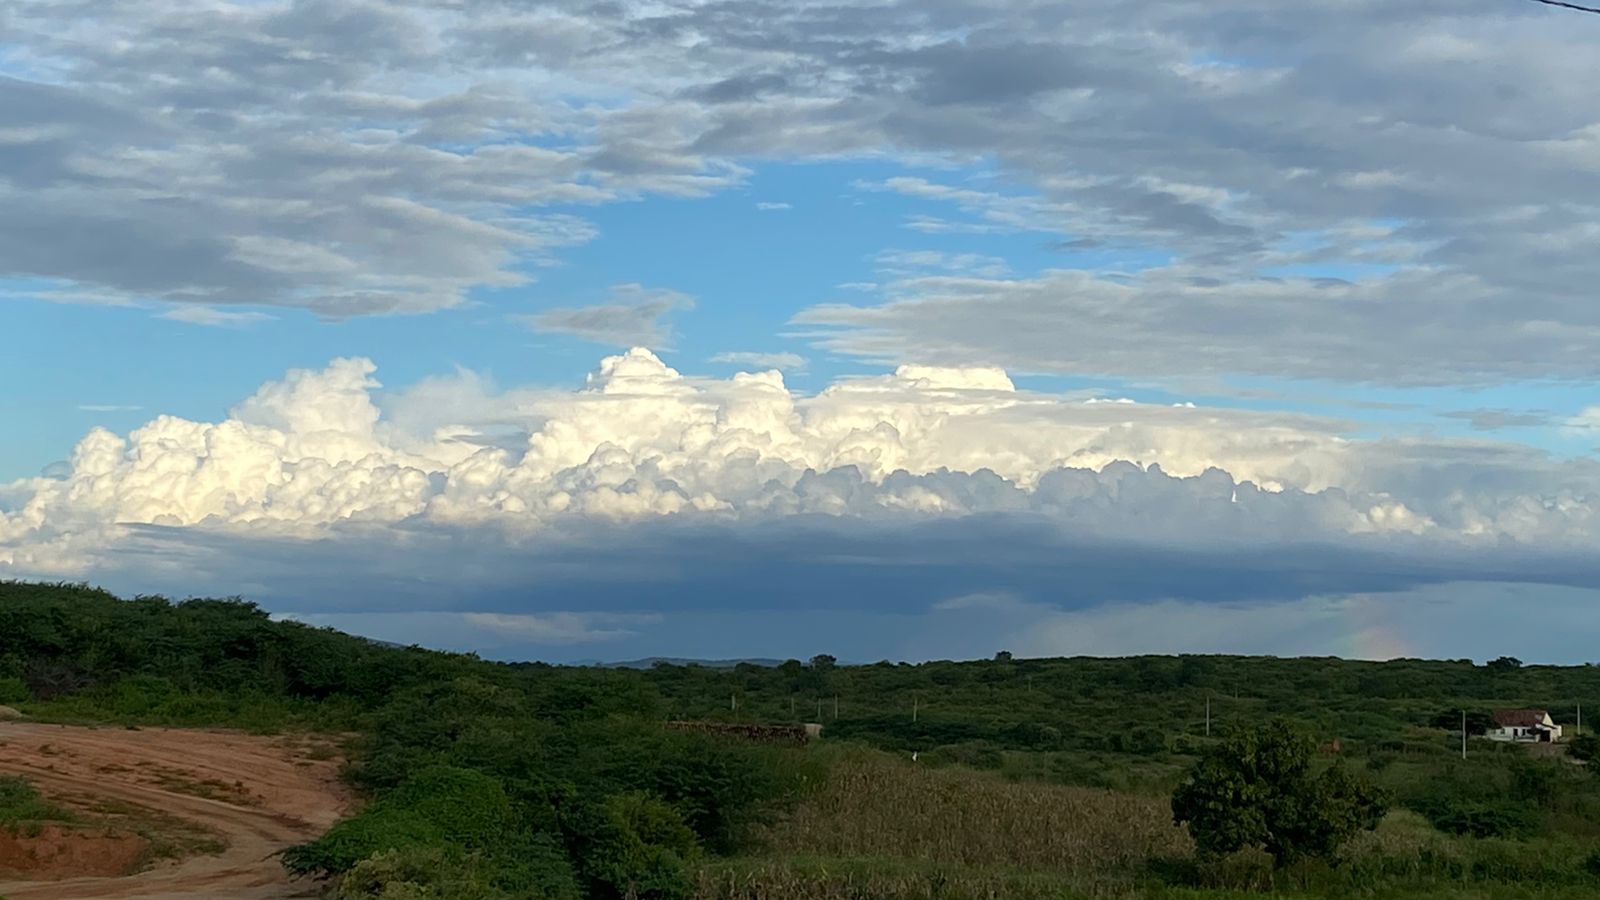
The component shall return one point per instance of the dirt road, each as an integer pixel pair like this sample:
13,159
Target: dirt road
254,794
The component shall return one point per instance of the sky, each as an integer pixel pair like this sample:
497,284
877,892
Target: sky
601,330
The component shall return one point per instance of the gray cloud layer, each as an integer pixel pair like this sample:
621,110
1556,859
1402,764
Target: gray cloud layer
387,156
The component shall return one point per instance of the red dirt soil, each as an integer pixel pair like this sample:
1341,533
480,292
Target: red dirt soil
257,794
58,852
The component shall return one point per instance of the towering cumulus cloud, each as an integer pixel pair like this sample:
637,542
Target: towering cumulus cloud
315,454
454,511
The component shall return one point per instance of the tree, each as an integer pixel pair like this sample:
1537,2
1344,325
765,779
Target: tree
1478,721
1003,656
1257,789
822,662
1585,747
1503,664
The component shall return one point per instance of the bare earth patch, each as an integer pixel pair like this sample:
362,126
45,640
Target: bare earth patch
58,851
204,813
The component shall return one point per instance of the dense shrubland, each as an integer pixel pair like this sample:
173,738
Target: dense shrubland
1034,778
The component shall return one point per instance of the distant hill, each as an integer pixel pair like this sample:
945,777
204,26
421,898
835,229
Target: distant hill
650,662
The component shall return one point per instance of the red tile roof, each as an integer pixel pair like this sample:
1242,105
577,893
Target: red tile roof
1519,718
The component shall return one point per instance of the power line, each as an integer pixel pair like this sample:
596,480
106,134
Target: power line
1588,9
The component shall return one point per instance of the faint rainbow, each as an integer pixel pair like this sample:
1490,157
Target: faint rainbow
1368,630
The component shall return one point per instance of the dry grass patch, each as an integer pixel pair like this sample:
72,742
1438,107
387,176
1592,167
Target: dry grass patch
169,836
877,806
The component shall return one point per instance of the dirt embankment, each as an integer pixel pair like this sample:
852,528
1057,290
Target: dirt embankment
235,799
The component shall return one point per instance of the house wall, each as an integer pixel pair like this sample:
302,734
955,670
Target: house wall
1522,734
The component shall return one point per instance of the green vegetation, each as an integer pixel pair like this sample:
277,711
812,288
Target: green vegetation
21,805
1257,789
1032,778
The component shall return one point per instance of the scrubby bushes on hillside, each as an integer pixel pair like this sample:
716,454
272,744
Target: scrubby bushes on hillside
1495,795
488,781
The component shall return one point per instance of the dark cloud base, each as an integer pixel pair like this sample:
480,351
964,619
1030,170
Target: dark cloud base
814,563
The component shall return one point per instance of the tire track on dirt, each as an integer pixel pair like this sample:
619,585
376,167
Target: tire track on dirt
272,795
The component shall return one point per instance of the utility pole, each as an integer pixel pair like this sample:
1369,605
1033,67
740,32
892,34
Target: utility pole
1208,715
836,707
1578,729
733,702
1463,734
913,709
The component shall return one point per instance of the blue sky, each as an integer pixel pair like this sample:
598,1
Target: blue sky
749,271
1204,283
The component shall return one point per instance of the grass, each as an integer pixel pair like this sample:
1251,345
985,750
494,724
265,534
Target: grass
209,788
889,879
808,878
876,805
21,805
885,827
24,811
169,836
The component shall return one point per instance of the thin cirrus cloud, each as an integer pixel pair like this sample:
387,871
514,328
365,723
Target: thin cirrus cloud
216,318
635,317
1498,419
782,360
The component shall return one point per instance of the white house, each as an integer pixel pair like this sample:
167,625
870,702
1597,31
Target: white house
1524,725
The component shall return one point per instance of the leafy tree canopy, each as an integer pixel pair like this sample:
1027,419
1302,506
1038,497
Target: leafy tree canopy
1258,788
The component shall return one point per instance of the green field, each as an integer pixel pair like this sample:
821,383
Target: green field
1032,778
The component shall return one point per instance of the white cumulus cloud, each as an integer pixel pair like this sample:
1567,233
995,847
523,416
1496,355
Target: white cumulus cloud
314,452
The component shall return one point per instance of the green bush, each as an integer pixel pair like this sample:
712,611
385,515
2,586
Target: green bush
1034,736
538,871
1144,740
13,690
1258,789
460,808
634,846
466,722
1483,819
719,786
1072,769
419,873
1487,798
1585,747
19,803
